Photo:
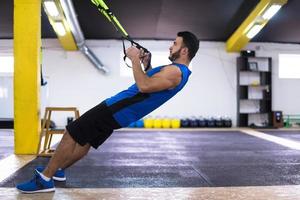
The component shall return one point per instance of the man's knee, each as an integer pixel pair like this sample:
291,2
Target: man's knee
67,138
84,149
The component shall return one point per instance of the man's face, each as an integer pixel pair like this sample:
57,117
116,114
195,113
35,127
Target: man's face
175,49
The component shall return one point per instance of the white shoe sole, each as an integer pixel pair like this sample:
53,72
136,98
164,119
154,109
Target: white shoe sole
56,178
59,179
38,191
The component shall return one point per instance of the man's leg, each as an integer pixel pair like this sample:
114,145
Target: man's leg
66,154
78,153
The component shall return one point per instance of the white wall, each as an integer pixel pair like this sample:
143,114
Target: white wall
211,91
73,81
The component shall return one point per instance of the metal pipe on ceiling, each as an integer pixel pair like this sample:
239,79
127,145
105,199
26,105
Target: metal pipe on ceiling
71,17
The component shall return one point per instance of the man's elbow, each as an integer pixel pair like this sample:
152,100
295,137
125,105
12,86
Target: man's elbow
144,89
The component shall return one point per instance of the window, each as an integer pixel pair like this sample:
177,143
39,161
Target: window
6,64
6,86
289,65
3,92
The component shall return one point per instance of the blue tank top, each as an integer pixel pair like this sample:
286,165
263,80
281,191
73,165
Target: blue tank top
130,105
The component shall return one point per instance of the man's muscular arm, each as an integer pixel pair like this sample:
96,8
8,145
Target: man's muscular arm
168,78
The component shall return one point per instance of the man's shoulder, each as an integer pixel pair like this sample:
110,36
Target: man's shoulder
172,68
170,72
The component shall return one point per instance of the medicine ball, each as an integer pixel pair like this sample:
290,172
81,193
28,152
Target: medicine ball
211,122
184,123
157,123
175,123
193,122
148,122
227,122
202,122
219,122
139,124
166,123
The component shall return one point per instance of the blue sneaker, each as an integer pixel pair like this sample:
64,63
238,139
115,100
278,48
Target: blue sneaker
58,176
36,184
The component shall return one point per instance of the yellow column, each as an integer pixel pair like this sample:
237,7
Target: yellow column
27,43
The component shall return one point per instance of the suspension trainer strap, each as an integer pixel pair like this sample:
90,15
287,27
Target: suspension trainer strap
103,8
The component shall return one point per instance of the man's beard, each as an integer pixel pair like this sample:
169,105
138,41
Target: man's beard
174,56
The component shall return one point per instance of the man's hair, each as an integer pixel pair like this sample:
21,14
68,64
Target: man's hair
190,41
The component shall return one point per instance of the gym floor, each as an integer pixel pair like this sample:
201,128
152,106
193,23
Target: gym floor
172,164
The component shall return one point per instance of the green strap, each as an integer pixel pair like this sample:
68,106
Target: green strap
103,8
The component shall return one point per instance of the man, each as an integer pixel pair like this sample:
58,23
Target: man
150,91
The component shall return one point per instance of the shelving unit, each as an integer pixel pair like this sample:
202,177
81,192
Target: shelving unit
254,92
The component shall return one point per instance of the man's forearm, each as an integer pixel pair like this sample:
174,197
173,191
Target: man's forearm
141,79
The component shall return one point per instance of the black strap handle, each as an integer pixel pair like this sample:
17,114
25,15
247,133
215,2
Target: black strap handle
137,45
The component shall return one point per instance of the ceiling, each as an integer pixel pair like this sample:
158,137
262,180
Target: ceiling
213,20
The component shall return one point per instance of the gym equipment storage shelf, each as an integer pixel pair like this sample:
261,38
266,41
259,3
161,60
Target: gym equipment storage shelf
254,92
45,148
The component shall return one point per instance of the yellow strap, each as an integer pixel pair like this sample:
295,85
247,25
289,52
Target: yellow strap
112,18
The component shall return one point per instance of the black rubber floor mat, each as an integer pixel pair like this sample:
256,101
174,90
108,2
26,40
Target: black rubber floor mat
178,159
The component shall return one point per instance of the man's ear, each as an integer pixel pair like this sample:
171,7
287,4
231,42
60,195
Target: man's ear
185,50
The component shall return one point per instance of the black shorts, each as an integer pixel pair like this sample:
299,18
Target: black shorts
94,126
